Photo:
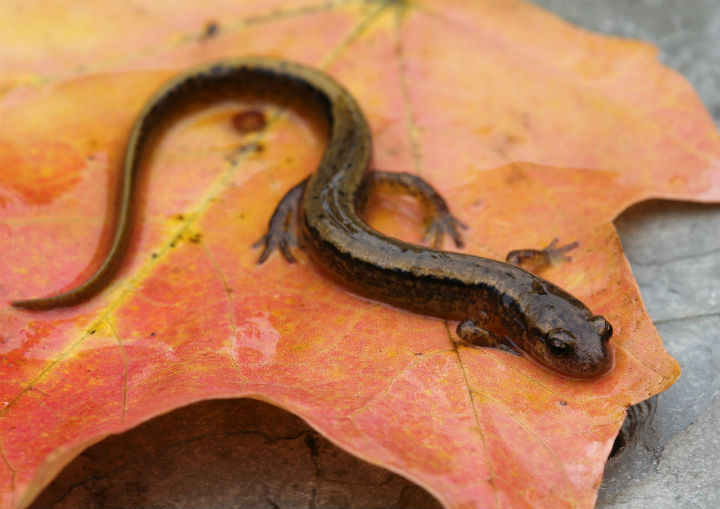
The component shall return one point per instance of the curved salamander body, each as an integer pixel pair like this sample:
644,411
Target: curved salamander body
496,303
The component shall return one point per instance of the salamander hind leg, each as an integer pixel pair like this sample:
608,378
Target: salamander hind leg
281,233
438,219
475,335
550,255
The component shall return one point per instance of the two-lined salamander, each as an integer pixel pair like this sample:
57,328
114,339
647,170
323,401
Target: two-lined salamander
496,303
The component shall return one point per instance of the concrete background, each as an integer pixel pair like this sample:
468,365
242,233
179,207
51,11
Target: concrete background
243,453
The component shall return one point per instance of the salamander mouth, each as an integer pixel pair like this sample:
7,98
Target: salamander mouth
587,368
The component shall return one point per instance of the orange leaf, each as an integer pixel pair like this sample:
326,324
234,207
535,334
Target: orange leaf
462,92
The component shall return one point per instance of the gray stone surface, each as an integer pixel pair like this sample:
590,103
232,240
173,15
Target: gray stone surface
674,251
688,472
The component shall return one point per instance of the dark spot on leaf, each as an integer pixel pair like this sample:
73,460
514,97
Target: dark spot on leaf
249,121
211,29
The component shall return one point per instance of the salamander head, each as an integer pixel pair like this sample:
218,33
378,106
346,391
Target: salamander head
561,333
578,351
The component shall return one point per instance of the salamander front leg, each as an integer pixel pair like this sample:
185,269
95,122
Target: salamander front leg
438,219
477,336
281,233
549,255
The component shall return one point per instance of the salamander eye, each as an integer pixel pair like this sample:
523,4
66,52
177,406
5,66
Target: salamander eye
559,344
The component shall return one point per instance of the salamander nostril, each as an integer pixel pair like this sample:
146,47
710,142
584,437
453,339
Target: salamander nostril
602,326
608,332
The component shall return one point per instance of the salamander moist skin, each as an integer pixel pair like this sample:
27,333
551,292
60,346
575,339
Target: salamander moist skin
497,304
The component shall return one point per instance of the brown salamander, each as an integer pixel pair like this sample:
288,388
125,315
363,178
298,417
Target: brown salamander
497,304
